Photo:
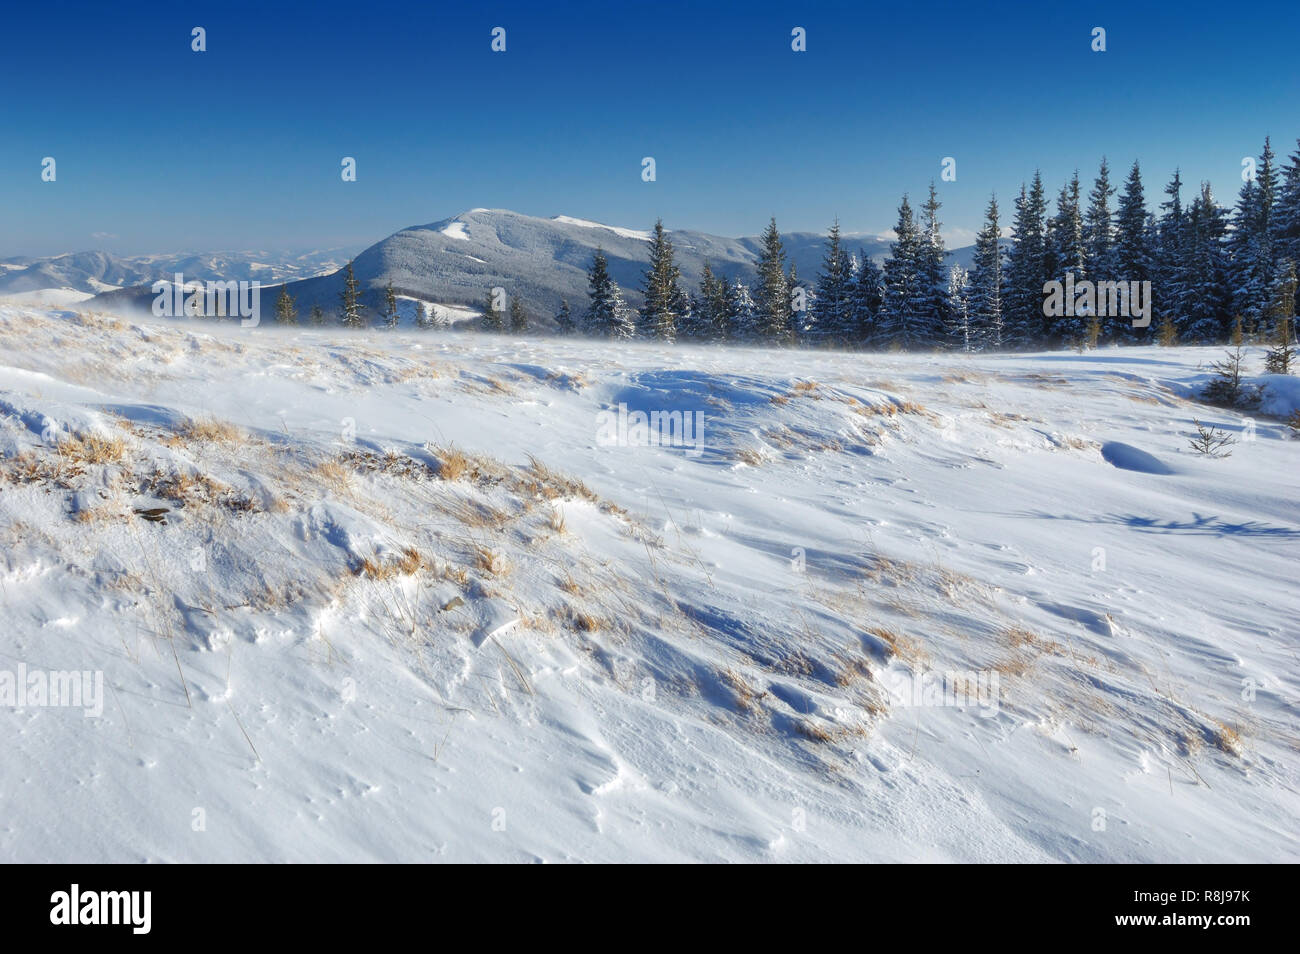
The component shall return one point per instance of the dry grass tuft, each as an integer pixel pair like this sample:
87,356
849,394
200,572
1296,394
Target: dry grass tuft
92,449
212,431
408,563
490,561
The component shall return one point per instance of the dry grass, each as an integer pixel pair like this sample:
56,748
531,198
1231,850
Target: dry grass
92,449
745,695
752,456
408,563
545,483
212,431
905,648
490,561
453,463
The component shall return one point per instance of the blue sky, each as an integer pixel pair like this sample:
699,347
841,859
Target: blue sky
159,148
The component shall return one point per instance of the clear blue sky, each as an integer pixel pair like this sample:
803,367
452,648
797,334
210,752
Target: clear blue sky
159,148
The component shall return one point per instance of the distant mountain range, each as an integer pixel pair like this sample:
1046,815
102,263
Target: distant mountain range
93,273
455,262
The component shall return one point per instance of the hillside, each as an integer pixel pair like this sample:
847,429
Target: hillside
394,597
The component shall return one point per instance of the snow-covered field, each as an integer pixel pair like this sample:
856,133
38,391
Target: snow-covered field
391,596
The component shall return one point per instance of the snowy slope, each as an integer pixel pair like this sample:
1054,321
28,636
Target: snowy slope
402,602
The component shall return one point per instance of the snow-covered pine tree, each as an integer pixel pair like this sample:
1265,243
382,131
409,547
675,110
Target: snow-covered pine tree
663,295
865,312
985,284
1065,255
1098,228
901,291
959,338
1026,270
832,318
317,315
518,317
564,319
1170,247
931,317
352,315
1288,213
1132,250
1254,263
741,313
803,303
607,315
1281,356
772,292
390,306
1202,273
711,307
494,318
285,311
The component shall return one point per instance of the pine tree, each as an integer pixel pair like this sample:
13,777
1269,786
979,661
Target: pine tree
352,315
959,336
985,284
1023,321
931,316
710,308
390,306
317,315
1254,262
564,324
742,321
1171,247
285,311
901,291
832,320
663,295
1132,250
772,293
494,319
518,317
1288,213
1066,255
1281,356
867,291
1098,229
803,303
607,316
1203,295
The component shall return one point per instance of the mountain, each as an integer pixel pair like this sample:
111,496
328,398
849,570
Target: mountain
95,272
457,261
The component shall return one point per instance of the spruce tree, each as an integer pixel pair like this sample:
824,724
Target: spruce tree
1201,274
832,322
1132,250
352,315
742,321
1023,322
1282,355
564,319
494,319
985,284
711,307
867,291
772,293
390,306
1098,228
317,315
607,315
901,291
663,295
1066,256
1171,247
958,309
931,316
285,311
518,317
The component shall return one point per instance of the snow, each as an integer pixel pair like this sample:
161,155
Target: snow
585,223
456,230
341,641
